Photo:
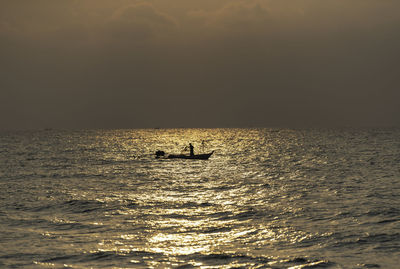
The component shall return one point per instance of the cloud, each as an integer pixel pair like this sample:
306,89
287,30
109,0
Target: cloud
258,62
140,21
235,16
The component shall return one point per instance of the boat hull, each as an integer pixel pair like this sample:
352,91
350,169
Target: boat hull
193,157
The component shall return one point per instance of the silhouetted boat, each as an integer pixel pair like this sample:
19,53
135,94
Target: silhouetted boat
196,156
161,154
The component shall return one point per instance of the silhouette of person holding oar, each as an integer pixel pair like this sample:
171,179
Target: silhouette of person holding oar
191,149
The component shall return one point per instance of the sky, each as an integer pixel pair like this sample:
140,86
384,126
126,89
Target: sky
210,63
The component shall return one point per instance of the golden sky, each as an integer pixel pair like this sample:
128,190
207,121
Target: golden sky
185,63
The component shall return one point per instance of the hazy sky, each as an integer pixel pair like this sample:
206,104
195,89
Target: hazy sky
209,63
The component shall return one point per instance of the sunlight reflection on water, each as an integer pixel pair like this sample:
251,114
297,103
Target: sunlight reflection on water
277,198
196,207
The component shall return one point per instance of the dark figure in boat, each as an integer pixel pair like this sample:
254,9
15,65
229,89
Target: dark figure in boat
191,149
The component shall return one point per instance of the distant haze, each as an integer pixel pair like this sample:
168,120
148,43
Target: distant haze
185,63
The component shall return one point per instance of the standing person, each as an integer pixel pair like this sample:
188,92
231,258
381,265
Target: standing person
191,149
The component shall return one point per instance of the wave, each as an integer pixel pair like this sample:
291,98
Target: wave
146,259
83,206
247,214
104,258
245,261
382,241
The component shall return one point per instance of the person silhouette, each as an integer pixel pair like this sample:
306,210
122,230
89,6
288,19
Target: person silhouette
191,149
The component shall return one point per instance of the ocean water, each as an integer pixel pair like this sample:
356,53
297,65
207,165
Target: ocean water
267,198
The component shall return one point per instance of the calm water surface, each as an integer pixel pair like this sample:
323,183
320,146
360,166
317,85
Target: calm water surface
267,198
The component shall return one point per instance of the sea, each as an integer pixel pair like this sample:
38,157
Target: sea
266,198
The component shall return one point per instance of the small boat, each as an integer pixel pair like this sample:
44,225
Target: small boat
194,157
161,154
